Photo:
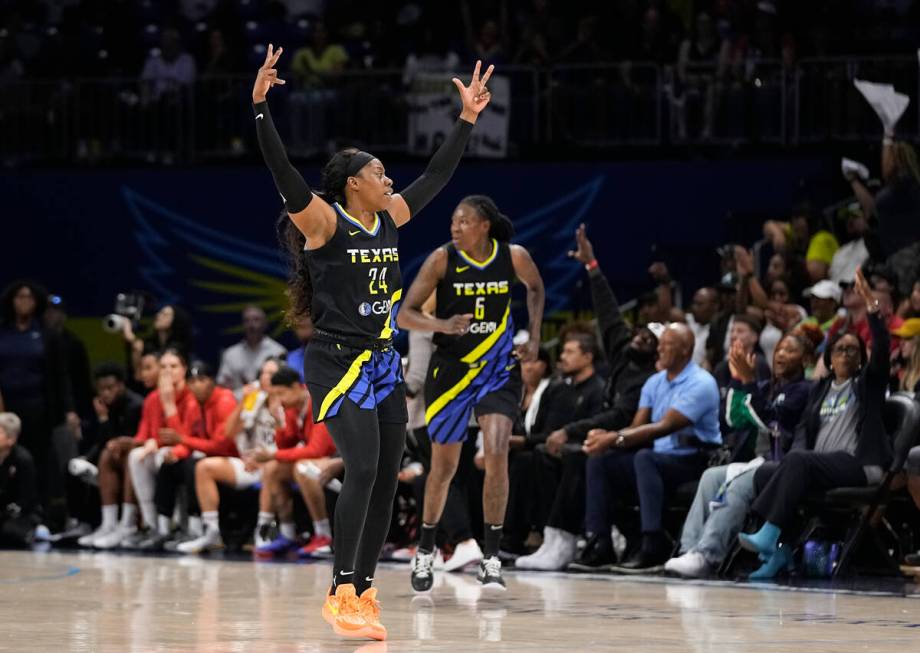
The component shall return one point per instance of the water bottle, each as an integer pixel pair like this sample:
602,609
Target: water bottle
776,441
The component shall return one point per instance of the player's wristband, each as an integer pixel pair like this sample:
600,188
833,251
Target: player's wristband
591,265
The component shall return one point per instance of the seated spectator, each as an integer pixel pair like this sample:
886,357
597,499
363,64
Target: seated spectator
766,412
240,363
910,306
855,320
825,299
703,310
251,426
172,327
300,439
679,417
906,374
187,443
745,333
431,55
840,442
19,510
534,475
486,43
913,486
854,253
303,330
631,354
170,406
118,413
320,59
165,92
701,62
781,316
147,375
804,243
167,70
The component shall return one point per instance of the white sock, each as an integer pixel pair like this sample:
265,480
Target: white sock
321,527
288,531
265,518
211,521
109,516
163,524
194,525
128,516
149,512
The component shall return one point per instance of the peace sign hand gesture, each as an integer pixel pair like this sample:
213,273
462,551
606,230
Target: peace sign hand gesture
476,96
267,76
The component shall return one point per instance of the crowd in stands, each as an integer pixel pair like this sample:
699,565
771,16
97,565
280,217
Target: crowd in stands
180,39
662,439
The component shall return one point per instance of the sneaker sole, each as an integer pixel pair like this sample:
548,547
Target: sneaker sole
495,587
365,632
656,569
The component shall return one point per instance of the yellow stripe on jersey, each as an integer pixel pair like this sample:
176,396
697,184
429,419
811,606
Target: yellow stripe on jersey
480,264
344,383
486,344
438,404
371,232
387,330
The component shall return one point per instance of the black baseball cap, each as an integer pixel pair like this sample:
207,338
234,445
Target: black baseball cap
200,368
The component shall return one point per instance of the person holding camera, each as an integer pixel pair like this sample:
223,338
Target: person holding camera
172,327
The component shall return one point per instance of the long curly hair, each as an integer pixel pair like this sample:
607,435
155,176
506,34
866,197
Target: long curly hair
501,228
300,285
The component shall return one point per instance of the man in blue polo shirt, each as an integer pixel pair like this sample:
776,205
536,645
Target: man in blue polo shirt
666,446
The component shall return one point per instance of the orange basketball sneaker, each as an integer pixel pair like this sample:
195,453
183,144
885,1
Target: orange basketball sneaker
369,607
343,612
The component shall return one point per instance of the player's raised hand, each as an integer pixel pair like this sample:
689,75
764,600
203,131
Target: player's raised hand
267,76
476,96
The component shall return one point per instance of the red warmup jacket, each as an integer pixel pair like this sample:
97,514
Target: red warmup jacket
153,419
300,438
206,433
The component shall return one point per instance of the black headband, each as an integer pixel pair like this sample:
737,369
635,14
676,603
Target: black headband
358,161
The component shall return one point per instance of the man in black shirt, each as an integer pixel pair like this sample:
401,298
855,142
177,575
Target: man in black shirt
18,494
534,474
118,413
631,354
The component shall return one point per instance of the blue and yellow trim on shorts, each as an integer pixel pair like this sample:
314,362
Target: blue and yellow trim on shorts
490,366
372,375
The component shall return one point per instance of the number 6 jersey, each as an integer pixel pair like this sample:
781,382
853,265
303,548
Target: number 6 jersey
357,285
483,290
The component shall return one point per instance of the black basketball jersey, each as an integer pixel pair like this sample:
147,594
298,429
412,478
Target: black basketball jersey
357,285
482,289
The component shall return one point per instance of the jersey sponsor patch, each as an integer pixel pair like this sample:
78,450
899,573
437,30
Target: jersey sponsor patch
374,308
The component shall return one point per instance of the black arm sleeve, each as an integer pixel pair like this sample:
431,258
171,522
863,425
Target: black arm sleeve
440,169
294,190
615,332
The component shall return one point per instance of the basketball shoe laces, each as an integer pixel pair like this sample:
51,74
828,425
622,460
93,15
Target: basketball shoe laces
492,566
424,562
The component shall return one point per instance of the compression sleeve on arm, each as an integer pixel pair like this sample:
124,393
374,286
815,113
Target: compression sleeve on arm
440,169
291,185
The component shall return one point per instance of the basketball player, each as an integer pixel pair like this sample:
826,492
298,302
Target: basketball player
473,367
343,249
